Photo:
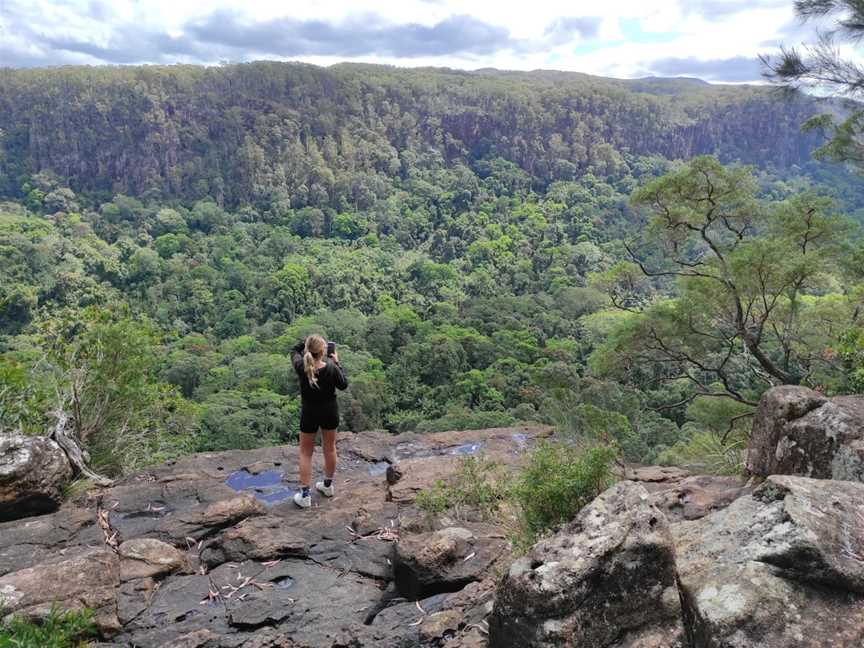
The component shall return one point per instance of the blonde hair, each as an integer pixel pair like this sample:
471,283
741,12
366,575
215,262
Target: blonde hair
313,351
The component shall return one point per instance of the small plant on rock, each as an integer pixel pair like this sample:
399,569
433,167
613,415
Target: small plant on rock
60,629
558,481
471,488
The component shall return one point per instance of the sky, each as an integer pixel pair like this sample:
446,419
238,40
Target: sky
715,40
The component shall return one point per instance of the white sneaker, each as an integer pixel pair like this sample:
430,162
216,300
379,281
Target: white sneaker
302,502
326,491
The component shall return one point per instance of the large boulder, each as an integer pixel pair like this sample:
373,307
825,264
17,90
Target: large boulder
446,560
607,579
777,568
797,431
33,471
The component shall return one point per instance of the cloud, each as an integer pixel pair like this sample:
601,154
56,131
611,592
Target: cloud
713,10
355,36
732,70
564,30
228,34
710,38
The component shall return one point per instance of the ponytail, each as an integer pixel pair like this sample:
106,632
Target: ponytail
313,350
309,368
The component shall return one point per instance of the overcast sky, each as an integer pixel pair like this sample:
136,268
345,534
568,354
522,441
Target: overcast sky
717,40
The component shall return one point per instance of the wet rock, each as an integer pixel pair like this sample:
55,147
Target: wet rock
206,466
33,471
777,568
82,578
141,506
205,520
609,573
797,431
445,560
257,538
146,557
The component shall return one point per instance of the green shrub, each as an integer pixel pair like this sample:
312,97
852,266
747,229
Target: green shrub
708,453
471,488
69,629
465,419
558,481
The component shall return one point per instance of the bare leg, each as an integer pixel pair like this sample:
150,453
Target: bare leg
307,447
328,440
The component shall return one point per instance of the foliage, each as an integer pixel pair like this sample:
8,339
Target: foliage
708,453
823,66
315,149
59,629
473,488
559,480
852,352
462,238
467,420
23,401
748,278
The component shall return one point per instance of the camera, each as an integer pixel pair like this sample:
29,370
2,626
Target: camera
331,348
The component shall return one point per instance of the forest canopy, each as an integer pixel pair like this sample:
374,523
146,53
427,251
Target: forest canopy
485,248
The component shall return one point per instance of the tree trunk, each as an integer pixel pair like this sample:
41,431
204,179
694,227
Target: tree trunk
70,445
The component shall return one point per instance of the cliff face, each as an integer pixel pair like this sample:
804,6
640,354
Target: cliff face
318,135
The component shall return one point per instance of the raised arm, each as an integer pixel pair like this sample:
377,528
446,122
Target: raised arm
341,380
297,355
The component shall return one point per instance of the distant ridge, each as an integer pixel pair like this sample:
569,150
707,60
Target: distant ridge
239,131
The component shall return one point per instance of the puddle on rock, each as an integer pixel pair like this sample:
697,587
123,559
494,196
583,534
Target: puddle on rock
521,440
266,486
379,468
465,449
412,450
284,583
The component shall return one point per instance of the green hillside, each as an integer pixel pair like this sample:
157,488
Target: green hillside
472,242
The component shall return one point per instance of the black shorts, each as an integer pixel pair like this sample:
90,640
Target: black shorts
324,416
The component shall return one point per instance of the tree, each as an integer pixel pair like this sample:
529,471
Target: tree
742,271
109,409
822,67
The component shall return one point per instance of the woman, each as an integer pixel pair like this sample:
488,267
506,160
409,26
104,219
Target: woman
320,375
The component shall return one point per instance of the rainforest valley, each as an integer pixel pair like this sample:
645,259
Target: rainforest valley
631,261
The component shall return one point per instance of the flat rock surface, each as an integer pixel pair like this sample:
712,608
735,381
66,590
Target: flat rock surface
210,551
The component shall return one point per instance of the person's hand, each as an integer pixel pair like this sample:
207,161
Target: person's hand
335,357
